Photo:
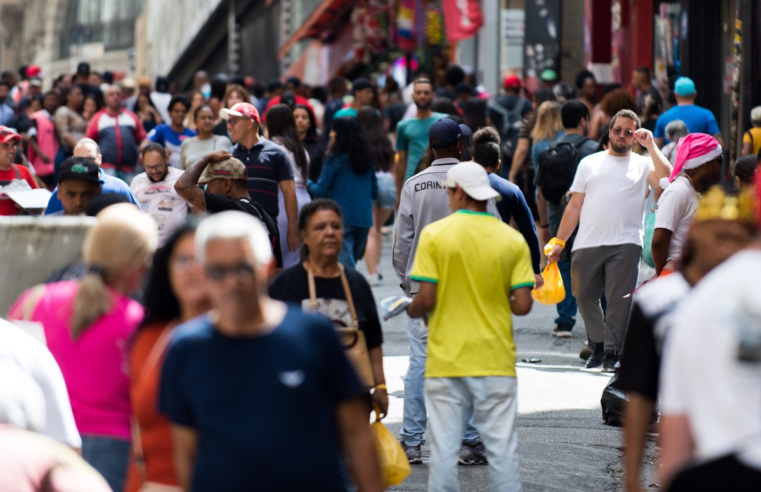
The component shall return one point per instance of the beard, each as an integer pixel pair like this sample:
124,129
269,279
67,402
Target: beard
163,176
621,148
424,105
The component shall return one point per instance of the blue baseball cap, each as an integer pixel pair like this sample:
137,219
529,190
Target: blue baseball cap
684,86
447,131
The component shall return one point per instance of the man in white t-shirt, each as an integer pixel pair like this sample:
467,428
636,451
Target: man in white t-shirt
697,165
154,190
711,380
608,203
36,361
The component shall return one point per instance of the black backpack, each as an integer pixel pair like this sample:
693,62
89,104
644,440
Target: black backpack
511,124
557,167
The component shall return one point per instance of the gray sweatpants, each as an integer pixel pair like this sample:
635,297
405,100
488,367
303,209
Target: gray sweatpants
612,270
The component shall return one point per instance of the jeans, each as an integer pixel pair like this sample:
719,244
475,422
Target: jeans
109,456
566,308
414,417
355,240
493,402
124,176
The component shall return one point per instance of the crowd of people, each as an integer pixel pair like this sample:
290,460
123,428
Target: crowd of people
229,215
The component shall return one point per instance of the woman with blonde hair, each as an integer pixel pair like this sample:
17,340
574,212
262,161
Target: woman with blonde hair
234,94
548,128
88,325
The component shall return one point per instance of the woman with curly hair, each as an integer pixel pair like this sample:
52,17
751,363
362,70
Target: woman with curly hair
612,102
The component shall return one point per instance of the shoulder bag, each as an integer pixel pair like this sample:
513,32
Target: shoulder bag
352,338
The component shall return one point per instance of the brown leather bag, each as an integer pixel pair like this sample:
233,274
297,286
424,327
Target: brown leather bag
352,338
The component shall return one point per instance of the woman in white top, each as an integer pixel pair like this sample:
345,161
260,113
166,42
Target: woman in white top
281,128
194,148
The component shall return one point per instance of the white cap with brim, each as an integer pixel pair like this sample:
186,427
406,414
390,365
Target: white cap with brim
226,114
473,179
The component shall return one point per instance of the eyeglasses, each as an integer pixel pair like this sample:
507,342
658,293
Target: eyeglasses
218,273
157,167
618,131
233,121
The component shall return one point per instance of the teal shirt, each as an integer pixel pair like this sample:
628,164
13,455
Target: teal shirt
347,111
412,137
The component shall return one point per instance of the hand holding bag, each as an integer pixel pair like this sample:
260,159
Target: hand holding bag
352,338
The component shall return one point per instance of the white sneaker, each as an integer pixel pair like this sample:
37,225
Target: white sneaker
374,279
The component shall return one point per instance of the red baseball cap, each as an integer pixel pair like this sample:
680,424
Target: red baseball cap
7,134
512,81
33,71
241,110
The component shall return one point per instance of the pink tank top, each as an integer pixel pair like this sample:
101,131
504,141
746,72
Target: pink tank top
47,141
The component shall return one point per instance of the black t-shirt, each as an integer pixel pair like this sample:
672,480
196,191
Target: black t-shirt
91,90
292,286
221,203
316,152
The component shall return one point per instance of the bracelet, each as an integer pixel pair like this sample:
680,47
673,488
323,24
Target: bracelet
558,242
381,387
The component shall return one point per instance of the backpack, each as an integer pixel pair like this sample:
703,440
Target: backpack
511,124
557,167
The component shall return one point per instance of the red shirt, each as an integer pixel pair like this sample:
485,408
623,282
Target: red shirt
11,180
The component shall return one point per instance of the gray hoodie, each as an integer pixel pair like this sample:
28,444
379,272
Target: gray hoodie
423,201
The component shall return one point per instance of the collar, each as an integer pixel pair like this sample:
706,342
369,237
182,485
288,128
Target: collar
445,161
472,212
260,143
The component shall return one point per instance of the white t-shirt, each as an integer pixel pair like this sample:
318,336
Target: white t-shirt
702,375
614,199
160,200
36,361
674,211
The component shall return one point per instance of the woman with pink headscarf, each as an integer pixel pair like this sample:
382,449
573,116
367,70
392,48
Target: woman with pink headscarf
698,164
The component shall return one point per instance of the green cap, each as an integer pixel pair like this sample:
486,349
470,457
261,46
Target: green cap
549,75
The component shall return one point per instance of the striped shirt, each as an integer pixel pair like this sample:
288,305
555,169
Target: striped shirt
267,165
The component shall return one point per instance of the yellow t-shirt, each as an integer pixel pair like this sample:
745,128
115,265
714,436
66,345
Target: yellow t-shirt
756,140
476,260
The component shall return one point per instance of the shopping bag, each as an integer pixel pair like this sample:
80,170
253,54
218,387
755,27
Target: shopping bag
552,292
395,466
647,251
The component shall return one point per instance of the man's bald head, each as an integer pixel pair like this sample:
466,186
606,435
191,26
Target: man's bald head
87,147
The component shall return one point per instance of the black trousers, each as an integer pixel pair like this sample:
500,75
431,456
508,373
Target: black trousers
725,473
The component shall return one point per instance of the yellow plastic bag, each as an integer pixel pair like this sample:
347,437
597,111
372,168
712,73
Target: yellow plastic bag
395,466
552,292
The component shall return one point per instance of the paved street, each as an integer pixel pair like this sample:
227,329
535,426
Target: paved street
563,442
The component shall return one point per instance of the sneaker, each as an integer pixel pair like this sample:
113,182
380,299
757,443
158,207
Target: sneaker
375,279
595,360
586,351
610,361
563,330
414,453
473,454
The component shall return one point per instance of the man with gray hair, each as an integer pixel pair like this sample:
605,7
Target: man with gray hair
256,390
674,131
87,147
752,138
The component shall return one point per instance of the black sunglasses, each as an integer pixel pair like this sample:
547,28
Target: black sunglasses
218,273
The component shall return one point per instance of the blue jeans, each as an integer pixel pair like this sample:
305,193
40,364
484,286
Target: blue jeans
109,456
355,240
415,419
567,307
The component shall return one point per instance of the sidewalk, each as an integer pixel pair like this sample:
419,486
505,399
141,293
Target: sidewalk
563,444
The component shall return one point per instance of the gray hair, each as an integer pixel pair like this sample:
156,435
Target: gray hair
89,143
234,225
755,115
676,130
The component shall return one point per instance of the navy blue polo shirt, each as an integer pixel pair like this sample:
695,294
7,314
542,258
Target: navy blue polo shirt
267,165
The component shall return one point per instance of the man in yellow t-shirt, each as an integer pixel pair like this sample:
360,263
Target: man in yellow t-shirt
752,138
475,272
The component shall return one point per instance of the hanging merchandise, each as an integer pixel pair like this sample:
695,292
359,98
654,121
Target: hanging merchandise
434,25
463,18
406,37
372,26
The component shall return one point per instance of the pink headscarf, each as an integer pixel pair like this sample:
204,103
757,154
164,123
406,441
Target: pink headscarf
693,151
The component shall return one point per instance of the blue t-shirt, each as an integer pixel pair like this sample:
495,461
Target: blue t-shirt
353,192
697,119
111,184
412,137
513,205
347,111
264,407
170,139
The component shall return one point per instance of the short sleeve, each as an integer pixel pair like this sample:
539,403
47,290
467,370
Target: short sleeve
640,364
670,210
659,129
172,395
217,203
156,135
282,168
523,272
402,142
426,268
370,322
339,379
580,180
747,138
713,127
27,175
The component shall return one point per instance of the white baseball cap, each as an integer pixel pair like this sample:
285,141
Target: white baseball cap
473,179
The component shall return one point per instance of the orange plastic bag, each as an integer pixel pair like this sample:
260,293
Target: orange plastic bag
395,467
553,291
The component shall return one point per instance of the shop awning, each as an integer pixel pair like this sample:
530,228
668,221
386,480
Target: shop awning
326,16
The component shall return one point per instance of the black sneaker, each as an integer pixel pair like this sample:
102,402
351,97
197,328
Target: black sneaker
473,454
563,330
595,360
586,350
610,361
414,453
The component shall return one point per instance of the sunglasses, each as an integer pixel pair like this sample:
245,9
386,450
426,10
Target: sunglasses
233,121
618,131
218,273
